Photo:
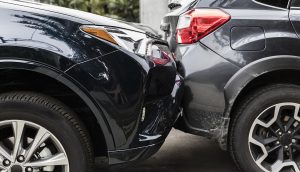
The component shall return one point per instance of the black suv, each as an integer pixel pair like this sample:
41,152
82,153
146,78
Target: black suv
241,62
75,86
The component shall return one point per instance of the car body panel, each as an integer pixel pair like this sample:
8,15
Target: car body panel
220,61
248,38
122,102
206,74
114,82
243,77
47,34
56,11
279,35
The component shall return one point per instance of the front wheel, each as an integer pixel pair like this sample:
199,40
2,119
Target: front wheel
265,133
40,134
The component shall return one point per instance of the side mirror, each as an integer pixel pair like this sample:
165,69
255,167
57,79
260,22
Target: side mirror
174,4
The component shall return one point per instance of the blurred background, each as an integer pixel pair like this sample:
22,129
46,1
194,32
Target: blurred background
148,12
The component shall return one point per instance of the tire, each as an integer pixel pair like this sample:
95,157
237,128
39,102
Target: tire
253,129
27,116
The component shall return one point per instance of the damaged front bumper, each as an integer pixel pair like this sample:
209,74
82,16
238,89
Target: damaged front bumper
161,109
158,118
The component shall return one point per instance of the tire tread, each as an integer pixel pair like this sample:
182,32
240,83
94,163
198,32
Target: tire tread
60,109
242,106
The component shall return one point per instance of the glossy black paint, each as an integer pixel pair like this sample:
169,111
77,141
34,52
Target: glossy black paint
112,81
259,39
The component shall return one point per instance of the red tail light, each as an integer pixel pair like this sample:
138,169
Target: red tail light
158,56
197,23
162,60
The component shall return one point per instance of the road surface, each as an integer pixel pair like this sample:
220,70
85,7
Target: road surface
185,153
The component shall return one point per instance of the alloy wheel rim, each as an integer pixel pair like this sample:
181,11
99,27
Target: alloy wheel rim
274,138
29,147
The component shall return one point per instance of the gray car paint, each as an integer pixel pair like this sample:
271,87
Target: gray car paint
257,40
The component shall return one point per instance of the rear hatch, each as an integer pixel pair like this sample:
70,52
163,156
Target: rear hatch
169,22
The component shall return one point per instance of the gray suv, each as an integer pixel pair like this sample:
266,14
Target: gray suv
241,62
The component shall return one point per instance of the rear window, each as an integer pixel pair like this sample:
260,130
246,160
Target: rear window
276,3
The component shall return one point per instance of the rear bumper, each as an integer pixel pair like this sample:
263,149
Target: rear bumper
206,74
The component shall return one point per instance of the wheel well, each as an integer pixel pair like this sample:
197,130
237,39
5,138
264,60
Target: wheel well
270,78
24,80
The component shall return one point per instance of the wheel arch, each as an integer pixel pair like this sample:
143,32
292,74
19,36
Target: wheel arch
270,70
254,72
66,81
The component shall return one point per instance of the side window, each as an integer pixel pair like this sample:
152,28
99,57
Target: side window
276,3
295,3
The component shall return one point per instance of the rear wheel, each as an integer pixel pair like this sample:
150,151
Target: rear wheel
265,134
39,134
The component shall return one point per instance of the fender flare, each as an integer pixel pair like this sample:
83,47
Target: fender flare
253,70
67,81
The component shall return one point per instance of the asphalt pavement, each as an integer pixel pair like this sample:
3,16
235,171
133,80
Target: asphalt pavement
185,153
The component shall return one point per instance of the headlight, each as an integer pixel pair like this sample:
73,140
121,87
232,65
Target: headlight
127,39
99,33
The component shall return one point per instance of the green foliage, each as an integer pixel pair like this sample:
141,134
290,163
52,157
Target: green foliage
121,9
